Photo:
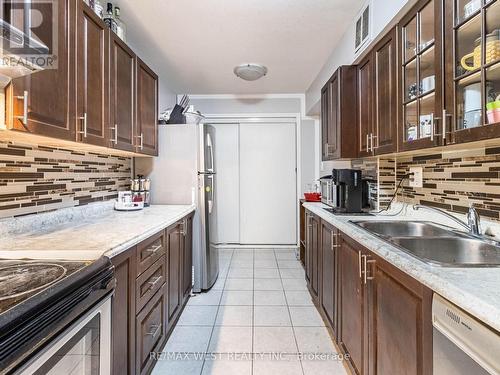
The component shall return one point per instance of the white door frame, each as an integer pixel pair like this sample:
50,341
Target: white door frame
271,117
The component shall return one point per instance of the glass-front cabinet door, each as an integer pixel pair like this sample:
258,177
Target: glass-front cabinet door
473,69
420,61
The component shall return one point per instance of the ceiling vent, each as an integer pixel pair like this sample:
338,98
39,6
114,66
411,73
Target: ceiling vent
363,28
250,72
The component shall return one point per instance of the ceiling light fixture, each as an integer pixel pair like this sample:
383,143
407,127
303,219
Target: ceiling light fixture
250,72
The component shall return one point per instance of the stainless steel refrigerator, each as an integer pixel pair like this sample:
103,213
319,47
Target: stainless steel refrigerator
185,173
207,206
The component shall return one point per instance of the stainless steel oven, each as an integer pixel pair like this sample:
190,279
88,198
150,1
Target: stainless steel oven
63,323
462,345
82,349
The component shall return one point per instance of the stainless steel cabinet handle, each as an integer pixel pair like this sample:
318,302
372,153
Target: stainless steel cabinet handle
84,131
183,229
24,117
367,142
373,142
115,137
154,249
153,282
446,116
141,143
156,329
360,265
335,241
433,127
365,268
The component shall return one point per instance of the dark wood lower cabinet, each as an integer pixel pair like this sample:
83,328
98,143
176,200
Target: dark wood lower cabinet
312,254
187,259
152,288
174,244
151,331
329,269
400,322
353,330
123,314
380,316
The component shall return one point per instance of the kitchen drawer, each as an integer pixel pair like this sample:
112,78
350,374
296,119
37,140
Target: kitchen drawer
149,251
149,282
150,331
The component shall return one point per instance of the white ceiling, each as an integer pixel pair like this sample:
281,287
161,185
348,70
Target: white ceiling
196,43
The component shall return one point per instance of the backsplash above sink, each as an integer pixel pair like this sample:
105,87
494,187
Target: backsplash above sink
454,179
38,179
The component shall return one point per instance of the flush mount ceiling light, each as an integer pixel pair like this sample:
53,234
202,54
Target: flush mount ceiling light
250,72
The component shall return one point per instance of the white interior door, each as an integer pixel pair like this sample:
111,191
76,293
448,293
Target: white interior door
227,193
268,184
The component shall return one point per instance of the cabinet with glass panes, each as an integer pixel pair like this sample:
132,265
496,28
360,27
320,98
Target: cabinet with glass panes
472,83
420,63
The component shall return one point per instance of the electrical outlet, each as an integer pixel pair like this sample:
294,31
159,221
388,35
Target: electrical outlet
417,179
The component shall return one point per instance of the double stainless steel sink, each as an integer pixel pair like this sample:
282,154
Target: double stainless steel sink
436,244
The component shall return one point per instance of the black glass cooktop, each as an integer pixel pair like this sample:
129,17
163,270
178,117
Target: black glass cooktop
19,280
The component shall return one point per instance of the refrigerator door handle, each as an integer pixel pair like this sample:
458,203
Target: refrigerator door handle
211,153
210,190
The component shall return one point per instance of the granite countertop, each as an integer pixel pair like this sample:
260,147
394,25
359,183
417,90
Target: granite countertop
475,290
69,236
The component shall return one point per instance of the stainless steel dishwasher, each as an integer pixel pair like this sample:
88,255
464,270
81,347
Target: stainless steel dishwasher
462,345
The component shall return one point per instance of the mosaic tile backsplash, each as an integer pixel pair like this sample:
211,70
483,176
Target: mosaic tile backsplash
454,179
37,179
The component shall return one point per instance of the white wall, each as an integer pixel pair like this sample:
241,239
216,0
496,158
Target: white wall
245,104
308,160
383,14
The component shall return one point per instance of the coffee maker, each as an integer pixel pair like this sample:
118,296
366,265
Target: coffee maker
349,190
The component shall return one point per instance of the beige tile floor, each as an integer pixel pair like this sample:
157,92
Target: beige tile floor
256,320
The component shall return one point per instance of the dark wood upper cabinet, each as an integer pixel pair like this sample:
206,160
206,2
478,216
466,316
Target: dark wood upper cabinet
330,243
377,98
385,126
40,103
147,109
101,93
400,321
122,98
472,71
338,114
365,109
325,113
421,65
92,78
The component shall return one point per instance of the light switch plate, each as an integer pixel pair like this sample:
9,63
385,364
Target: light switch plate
417,179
